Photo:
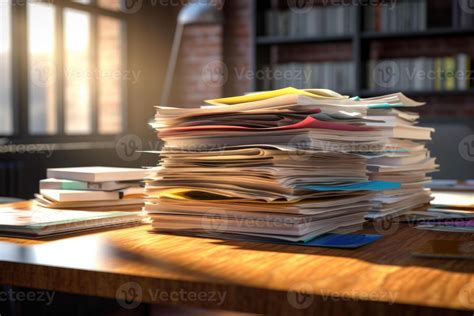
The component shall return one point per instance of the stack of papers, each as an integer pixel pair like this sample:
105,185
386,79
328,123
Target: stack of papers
92,188
452,211
287,164
459,226
452,185
36,222
405,160
454,199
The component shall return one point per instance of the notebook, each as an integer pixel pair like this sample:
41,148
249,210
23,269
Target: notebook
35,222
98,174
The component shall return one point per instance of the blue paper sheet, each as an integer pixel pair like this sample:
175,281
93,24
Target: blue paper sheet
329,240
348,241
385,106
365,186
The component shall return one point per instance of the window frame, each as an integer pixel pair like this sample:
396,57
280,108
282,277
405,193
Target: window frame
19,73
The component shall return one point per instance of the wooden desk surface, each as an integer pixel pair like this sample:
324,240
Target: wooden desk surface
380,278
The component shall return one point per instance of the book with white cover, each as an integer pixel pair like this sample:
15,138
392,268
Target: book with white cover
98,174
125,203
76,195
83,196
63,184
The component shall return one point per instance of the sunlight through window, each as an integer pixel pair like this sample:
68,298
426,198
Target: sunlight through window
42,68
6,118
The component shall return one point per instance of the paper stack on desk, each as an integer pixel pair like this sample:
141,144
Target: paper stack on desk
407,161
92,188
287,164
452,211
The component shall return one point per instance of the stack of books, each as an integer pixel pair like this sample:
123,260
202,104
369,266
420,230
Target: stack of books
406,160
286,165
92,188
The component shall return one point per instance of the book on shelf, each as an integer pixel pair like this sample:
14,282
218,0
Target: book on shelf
399,16
330,75
318,21
466,20
464,77
421,74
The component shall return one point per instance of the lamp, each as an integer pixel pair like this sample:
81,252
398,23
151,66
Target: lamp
195,13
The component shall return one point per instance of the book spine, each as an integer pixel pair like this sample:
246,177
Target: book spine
269,23
378,18
438,76
419,74
450,70
423,15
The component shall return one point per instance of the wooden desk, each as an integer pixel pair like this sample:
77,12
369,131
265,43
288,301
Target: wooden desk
382,278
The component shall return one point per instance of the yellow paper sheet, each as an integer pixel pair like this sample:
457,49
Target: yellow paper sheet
314,93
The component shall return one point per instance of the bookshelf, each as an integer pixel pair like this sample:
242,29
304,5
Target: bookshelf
267,51
275,40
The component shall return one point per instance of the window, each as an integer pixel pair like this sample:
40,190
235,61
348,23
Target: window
69,68
77,66
6,113
42,110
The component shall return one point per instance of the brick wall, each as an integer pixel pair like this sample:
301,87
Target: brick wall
199,71
214,60
237,46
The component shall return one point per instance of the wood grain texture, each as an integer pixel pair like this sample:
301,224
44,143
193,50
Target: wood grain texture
382,278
